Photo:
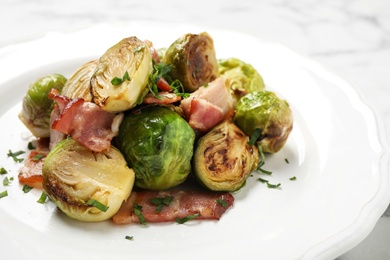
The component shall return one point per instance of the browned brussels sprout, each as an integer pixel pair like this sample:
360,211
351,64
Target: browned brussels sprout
223,159
193,60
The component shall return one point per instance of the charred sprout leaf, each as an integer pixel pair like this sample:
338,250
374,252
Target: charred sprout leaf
129,60
37,107
79,84
241,77
138,212
188,218
223,159
264,110
158,144
42,198
193,60
26,188
14,155
3,194
75,178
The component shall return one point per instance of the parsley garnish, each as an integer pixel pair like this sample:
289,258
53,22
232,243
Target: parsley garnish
15,155
37,157
129,237
138,212
3,194
97,204
42,198
161,202
30,146
185,219
26,188
293,178
117,81
222,202
3,171
269,185
256,134
286,160
6,181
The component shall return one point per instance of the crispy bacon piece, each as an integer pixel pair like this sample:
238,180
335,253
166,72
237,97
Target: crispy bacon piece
208,106
166,98
184,203
31,172
86,122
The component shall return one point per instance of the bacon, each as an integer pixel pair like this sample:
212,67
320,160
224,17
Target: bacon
86,122
208,106
153,51
166,98
31,172
209,205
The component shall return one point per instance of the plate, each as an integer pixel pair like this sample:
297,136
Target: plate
336,151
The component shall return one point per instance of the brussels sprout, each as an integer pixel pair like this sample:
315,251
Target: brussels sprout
79,84
37,106
74,176
264,110
158,144
240,76
223,159
193,60
121,78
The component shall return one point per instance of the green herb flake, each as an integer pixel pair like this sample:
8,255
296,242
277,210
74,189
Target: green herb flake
97,204
222,202
26,188
129,237
138,212
30,146
6,181
37,157
185,219
3,171
15,155
42,198
273,186
161,202
286,160
293,178
262,180
117,81
265,171
3,194
256,134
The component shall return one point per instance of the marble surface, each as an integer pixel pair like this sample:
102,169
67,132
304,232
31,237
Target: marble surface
351,37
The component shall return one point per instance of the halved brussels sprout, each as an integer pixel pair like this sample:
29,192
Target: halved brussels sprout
193,60
223,159
120,81
79,84
37,106
74,176
158,144
242,77
266,111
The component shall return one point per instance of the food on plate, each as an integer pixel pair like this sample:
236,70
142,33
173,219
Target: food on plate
193,60
223,159
121,77
37,106
158,144
240,76
179,126
86,185
265,111
174,205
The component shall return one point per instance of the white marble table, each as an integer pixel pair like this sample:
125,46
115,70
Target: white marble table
352,37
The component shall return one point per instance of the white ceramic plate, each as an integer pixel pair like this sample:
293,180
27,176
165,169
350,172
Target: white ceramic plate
336,152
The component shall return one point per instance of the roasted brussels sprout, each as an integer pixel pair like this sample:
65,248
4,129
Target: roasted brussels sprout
79,84
242,77
266,111
158,144
37,107
193,60
86,185
223,159
122,75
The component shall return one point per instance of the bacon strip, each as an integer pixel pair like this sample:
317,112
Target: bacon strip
183,204
84,121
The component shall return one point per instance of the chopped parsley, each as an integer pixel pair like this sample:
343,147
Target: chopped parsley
293,178
3,171
26,188
138,212
117,81
262,161
15,155
129,237
42,198
161,202
97,204
185,219
3,194
286,160
30,146
269,185
256,134
6,181
37,157
222,202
